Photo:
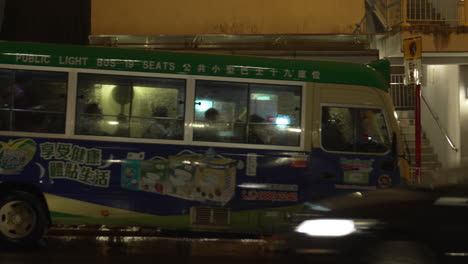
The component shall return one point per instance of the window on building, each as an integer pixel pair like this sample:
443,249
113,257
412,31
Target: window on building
127,106
354,130
247,113
33,101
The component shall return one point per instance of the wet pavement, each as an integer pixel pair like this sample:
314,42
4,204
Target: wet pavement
99,247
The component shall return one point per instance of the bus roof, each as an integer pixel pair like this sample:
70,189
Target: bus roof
87,57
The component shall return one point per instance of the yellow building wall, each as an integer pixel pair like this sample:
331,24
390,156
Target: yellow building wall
151,17
445,40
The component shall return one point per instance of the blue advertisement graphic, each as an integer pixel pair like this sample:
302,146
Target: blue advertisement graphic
170,179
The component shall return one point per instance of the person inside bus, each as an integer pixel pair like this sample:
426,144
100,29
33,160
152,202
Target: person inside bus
15,96
160,125
89,122
212,115
332,137
260,132
211,127
18,90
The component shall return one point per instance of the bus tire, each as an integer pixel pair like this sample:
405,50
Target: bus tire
23,220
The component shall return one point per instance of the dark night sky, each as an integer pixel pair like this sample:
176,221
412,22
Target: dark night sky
51,21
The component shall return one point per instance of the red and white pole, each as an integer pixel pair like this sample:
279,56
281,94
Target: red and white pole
417,134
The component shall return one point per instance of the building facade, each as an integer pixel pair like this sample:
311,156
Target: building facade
354,30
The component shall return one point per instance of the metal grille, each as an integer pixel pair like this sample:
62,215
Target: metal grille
201,215
435,11
212,216
402,95
221,216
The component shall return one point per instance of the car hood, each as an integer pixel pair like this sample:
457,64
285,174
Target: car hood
373,204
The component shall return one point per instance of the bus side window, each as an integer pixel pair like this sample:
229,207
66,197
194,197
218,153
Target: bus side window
136,107
33,101
372,132
266,114
6,77
337,129
220,111
354,130
274,114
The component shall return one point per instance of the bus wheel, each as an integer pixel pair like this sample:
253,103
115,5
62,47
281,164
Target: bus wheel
22,219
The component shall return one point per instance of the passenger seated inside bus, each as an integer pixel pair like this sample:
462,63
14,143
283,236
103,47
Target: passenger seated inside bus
17,94
89,122
260,132
332,136
211,115
160,124
210,128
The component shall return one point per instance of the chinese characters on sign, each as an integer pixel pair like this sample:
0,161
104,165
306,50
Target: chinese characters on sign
254,195
271,192
72,162
413,67
171,67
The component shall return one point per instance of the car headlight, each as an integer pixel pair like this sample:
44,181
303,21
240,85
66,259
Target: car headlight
337,227
327,227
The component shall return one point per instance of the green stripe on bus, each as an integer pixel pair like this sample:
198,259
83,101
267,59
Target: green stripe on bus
190,64
59,215
263,220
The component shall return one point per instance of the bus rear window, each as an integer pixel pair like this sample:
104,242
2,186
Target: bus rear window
33,101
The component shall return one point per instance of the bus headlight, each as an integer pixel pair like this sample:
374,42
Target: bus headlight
327,227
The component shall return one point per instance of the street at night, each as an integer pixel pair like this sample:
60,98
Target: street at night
55,249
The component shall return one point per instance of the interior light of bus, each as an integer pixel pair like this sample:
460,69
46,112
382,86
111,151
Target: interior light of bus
282,121
108,87
260,97
198,125
203,105
263,98
113,123
106,95
297,130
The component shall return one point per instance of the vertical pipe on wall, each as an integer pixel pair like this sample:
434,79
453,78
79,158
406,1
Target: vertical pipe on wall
417,171
404,8
466,13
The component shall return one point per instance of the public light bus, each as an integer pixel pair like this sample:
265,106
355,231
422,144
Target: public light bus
184,141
